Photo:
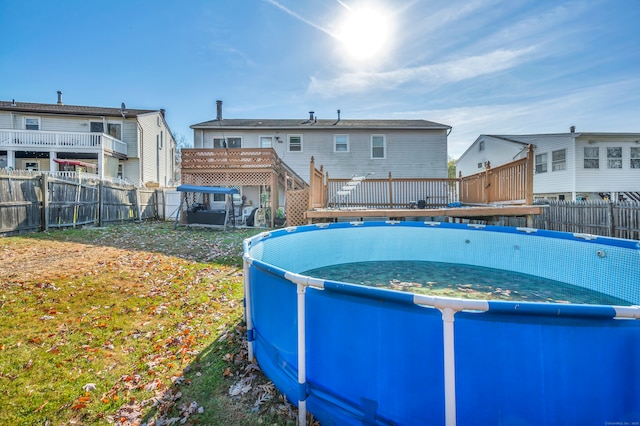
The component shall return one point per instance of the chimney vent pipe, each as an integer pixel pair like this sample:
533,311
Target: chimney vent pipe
60,98
218,110
572,129
310,115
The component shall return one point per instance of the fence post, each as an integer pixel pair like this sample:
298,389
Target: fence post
139,207
100,201
44,181
529,178
312,178
77,203
610,219
390,191
487,183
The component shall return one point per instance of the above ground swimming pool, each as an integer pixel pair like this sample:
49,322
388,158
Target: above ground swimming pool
352,354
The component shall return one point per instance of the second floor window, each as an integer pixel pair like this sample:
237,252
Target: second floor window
295,143
559,160
341,143
378,146
635,158
541,163
115,130
31,123
591,157
614,158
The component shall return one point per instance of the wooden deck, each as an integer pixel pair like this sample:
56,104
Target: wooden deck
527,211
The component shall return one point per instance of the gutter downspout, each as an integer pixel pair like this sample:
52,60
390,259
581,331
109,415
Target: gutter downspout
575,169
141,145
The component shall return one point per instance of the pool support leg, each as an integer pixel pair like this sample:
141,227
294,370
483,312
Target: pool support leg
302,367
247,307
449,366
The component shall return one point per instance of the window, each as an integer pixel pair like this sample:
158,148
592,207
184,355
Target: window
481,146
635,158
591,157
295,143
266,142
541,163
480,165
227,143
559,160
120,171
32,166
341,143
96,127
234,142
614,158
378,146
115,130
31,123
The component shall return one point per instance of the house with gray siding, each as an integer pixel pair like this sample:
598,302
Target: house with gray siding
343,147
131,144
568,166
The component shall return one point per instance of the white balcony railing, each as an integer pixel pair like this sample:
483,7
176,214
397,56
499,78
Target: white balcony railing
33,140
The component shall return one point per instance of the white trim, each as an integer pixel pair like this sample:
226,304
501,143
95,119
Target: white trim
30,117
335,142
384,146
295,135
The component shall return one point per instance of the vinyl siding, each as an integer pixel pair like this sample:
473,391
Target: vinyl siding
605,179
5,120
554,181
496,151
409,153
156,162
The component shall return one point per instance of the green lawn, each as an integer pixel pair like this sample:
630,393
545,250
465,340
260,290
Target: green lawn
128,324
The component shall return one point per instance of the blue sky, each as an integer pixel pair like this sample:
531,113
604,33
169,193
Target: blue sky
486,66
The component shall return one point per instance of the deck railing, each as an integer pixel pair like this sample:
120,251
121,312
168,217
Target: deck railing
393,193
228,158
236,160
38,139
508,183
511,183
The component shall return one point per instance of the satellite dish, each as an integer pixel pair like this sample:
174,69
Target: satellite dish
123,109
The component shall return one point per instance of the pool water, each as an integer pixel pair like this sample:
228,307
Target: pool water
461,281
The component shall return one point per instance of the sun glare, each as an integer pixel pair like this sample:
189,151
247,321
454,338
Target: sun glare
364,33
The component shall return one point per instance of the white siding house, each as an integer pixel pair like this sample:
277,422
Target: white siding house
571,166
344,148
404,148
132,144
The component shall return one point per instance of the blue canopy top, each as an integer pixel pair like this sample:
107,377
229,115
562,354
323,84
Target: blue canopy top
207,189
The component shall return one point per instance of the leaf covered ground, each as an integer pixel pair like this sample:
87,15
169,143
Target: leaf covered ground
129,324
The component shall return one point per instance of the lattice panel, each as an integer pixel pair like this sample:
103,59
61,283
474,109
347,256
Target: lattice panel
227,178
297,204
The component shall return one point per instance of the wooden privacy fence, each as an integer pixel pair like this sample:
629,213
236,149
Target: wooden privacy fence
508,183
612,219
33,201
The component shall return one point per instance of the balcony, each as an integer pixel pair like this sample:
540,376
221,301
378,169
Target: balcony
38,140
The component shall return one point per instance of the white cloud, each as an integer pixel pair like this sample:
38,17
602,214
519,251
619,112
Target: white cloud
429,75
